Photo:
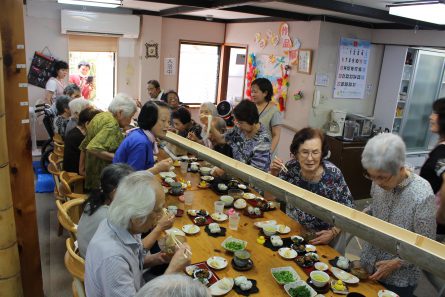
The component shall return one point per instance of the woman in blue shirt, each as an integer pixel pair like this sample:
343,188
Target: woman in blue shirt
139,147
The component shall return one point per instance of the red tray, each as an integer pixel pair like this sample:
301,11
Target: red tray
203,265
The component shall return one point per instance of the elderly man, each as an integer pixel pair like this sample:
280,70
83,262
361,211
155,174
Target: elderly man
155,92
115,256
177,285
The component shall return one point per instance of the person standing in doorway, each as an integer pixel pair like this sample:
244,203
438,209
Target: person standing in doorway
155,92
83,79
56,84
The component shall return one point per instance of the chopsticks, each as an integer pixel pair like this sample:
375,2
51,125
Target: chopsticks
179,244
283,167
170,153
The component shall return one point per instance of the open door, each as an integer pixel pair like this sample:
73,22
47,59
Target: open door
232,72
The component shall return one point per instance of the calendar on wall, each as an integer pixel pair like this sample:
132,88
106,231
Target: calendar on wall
350,81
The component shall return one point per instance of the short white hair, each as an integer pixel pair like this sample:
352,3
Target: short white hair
384,152
135,199
123,102
173,285
77,105
211,107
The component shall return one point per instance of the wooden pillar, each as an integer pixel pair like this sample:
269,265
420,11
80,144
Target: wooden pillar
20,176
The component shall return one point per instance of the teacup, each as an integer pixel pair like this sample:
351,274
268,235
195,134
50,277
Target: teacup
241,258
176,188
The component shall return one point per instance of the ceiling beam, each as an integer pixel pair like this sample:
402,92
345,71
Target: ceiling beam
363,11
289,15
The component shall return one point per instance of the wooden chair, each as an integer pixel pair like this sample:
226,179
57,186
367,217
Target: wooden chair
69,214
55,172
59,149
75,265
57,138
56,160
71,185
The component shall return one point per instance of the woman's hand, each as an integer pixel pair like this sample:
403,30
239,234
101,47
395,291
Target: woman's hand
385,268
276,166
192,136
217,172
157,259
180,260
165,223
163,165
323,237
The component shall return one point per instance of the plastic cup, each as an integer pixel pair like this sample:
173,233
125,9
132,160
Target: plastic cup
184,165
234,221
219,206
188,197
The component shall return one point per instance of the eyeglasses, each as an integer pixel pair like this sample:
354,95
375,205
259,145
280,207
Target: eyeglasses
376,178
314,154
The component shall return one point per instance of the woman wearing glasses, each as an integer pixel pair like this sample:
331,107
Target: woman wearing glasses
399,197
311,171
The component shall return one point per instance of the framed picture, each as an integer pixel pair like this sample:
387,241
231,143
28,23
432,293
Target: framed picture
151,50
304,61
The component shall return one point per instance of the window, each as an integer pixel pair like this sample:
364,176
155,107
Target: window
198,72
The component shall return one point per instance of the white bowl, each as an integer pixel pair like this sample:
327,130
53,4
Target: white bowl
286,268
300,283
240,203
321,266
228,200
269,230
205,170
319,278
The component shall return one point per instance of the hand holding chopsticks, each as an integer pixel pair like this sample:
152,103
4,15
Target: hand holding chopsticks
179,244
278,166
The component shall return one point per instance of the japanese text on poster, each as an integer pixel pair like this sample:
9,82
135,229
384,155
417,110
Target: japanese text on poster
353,60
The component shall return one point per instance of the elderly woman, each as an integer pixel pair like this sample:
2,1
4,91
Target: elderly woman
216,136
434,167
402,198
311,171
206,110
72,162
63,115
115,255
96,206
173,285
76,106
270,116
139,147
183,123
104,136
173,100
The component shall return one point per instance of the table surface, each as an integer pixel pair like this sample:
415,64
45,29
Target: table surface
204,246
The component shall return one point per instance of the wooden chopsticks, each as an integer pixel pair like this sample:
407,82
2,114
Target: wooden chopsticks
283,167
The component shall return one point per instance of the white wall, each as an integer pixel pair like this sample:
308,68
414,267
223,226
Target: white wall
410,37
328,51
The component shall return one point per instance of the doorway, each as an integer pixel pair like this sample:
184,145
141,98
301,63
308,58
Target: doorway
233,72
96,71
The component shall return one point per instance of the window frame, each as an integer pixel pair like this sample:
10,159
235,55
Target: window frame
218,74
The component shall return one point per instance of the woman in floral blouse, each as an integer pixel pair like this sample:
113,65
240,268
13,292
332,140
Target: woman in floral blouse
311,171
402,198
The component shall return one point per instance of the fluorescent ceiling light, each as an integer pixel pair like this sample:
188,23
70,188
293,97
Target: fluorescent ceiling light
97,3
427,11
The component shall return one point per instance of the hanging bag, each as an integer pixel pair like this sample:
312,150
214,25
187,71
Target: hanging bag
41,69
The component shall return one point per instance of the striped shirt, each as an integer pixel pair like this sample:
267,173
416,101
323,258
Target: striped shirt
114,263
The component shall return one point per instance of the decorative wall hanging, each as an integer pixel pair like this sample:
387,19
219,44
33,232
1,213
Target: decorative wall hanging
297,43
352,66
151,50
257,38
304,61
262,43
286,42
170,66
252,72
293,57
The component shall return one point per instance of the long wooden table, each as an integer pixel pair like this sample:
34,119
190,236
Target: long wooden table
204,246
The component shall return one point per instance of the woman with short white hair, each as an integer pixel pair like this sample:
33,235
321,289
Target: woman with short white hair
104,136
115,256
206,111
173,285
76,106
400,197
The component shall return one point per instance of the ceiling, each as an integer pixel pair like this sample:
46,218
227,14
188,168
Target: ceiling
363,13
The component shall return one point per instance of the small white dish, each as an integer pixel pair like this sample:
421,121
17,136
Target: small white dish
189,269
219,217
313,256
240,203
249,196
221,287
287,253
216,262
262,223
175,231
297,284
310,248
190,229
344,276
228,200
207,178
387,293
166,174
242,186
321,266
283,229
233,239
205,170
286,268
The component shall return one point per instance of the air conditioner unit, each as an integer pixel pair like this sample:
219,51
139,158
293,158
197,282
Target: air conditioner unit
95,23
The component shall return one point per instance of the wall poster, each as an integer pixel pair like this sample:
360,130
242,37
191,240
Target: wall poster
350,81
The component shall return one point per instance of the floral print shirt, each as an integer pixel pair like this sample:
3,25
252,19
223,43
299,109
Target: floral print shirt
332,185
254,151
410,206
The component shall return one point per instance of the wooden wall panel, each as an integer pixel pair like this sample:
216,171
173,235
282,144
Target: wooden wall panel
19,147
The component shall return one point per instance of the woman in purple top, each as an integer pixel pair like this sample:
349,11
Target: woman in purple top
139,147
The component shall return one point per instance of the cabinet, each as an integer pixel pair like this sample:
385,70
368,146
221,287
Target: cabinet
346,155
410,80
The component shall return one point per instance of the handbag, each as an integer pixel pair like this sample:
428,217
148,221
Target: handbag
41,69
